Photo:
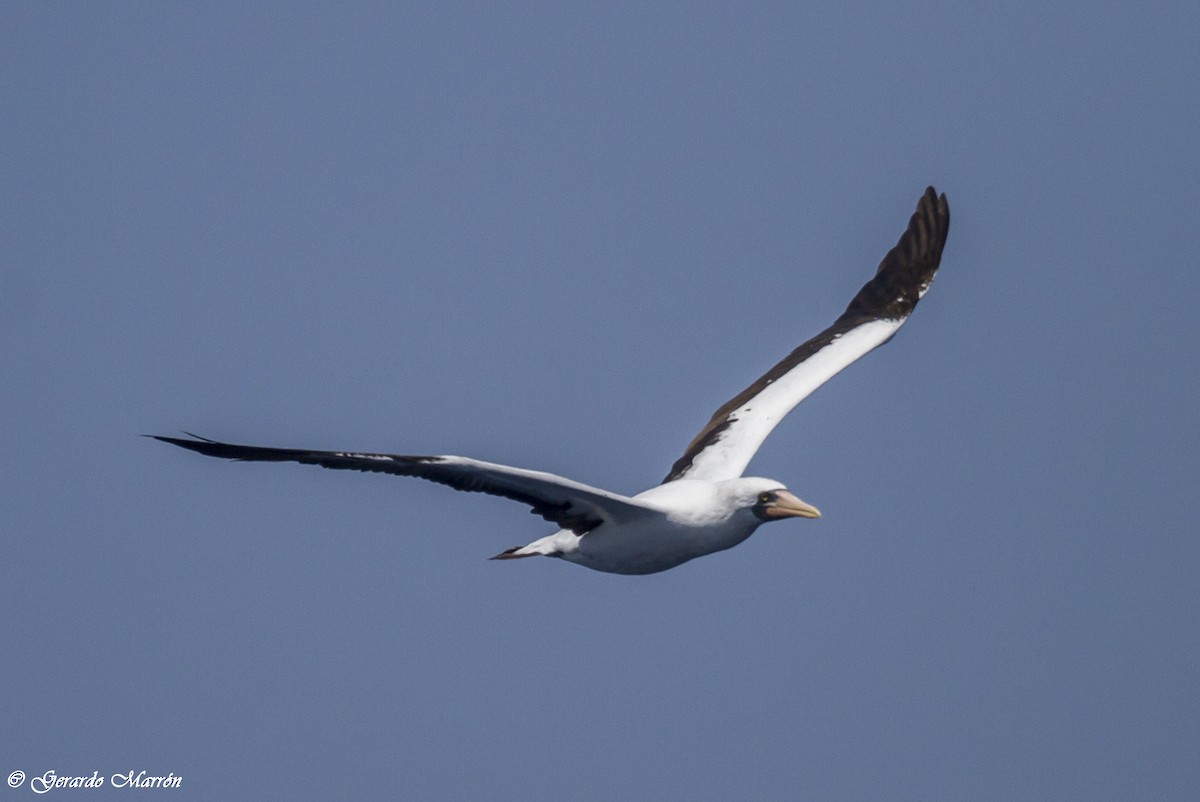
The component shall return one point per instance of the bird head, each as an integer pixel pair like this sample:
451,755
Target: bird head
769,500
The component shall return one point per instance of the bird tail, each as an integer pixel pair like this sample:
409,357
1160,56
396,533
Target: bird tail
550,546
516,553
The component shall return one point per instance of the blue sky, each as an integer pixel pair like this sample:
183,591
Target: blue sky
559,237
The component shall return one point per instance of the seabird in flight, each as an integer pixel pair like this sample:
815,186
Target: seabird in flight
704,504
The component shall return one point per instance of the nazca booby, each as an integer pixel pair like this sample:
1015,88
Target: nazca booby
704,504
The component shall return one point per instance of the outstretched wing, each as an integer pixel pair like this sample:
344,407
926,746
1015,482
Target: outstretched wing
726,445
569,504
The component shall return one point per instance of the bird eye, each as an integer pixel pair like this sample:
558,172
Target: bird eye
763,498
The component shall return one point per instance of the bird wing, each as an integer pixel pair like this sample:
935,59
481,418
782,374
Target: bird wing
727,443
568,504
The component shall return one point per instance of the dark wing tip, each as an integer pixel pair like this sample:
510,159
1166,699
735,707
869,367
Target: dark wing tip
908,268
201,445
215,448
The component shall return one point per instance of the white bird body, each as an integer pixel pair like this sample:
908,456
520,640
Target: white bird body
704,504
695,517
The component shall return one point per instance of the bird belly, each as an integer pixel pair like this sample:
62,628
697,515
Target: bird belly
648,549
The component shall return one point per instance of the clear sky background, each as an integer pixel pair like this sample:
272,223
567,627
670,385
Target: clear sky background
559,236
